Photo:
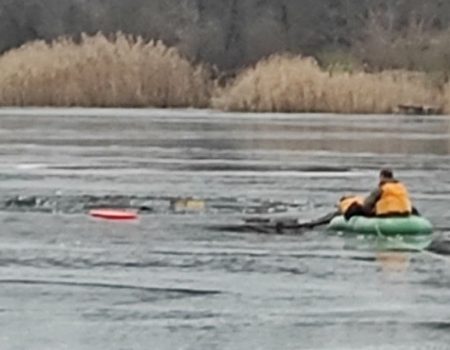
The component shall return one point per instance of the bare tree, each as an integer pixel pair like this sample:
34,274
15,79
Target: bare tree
232,33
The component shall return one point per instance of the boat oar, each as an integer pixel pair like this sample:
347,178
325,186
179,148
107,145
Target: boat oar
267,225
323,220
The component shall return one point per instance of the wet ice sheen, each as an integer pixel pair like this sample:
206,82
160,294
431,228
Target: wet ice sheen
167,281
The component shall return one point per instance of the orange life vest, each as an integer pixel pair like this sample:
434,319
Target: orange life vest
394,199
346,202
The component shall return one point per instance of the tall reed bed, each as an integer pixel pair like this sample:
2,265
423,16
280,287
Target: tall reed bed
124,71
99,71
446,93
285,83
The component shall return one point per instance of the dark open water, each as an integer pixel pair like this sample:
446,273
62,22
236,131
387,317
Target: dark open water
169,281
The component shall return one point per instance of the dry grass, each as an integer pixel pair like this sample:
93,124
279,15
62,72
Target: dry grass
128,72
446,107
97,71
285,83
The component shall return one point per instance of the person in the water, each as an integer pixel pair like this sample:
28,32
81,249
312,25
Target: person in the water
350,205
390,198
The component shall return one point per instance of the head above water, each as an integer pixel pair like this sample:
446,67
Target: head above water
386,174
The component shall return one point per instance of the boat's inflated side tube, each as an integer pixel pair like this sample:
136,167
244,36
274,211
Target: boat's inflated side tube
410,225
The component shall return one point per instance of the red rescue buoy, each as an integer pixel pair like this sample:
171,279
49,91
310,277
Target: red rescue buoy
113,214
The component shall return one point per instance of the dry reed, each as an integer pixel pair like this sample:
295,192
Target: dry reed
97,71
285,83
124,71
446,94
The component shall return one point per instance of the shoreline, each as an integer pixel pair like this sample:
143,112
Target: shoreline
197,112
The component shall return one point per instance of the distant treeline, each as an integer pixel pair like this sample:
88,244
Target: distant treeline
410,34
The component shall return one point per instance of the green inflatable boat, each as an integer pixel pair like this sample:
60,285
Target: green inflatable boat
387,227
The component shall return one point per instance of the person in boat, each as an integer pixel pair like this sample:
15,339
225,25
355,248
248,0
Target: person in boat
390,198
350,205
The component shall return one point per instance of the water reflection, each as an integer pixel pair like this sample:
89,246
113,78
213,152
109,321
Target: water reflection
358,134
349,134
392,261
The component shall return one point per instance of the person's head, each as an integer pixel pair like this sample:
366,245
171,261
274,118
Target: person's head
386,174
